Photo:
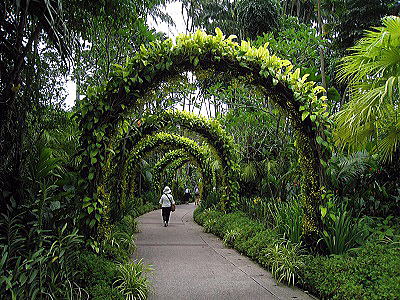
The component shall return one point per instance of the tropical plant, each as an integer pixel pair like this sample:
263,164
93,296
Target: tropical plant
132,282
344,172
341,231
353,17
372,70
284,260
45,269
297,42
287,219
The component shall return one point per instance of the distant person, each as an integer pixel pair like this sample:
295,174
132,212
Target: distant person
196,196
167,203
187,195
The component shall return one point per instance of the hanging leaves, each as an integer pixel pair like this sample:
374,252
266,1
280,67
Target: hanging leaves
102,110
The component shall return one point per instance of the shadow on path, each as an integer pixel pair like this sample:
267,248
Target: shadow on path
191,264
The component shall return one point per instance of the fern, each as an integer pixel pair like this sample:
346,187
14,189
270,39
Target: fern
346,170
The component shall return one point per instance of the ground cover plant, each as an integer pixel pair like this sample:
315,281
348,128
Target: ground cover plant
370,271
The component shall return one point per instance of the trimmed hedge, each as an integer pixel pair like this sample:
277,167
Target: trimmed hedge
369,272
251,238
97,275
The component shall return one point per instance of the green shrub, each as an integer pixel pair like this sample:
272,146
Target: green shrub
284,259
341,232
132,282
143,209
98,273
287,219
119,245
253,239
369,272
382,228
211,200
127,225
103,291
151,197
94,269
230,236
259,241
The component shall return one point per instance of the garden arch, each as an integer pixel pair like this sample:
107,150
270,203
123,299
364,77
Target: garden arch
209,129
105,106
154,141
175,155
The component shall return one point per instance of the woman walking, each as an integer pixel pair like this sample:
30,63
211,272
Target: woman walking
166,201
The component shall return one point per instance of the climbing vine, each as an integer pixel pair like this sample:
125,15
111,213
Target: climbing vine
209,129
167,141
105,106
177,155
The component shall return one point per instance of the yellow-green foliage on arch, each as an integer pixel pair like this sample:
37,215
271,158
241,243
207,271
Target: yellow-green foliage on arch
105,106
210,129
197,153
180,154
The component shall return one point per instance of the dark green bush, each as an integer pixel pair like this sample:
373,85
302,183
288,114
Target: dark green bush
256,244
98,273
135,207
143,209
114,252
127,225
95,269
370,272
103,291
212,199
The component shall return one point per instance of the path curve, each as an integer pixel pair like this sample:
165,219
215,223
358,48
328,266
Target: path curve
191,264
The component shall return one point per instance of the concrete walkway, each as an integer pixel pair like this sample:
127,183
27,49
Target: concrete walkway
191,264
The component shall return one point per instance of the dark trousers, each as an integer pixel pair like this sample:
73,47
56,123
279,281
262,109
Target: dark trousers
166,211
187,198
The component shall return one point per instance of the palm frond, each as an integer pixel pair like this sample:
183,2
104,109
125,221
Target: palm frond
387,145
249,172
373,73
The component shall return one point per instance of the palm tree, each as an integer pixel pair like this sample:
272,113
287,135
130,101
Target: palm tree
371,117
243,18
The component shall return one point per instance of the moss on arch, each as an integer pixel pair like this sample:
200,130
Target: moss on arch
105,106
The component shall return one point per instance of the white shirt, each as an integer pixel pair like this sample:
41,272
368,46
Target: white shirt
166,201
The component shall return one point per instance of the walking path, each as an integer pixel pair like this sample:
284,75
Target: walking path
191,264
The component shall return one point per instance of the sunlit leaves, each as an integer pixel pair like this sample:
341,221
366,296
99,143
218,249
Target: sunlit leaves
104,107
373,73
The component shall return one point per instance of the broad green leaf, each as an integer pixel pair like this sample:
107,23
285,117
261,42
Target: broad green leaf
304,115
324,210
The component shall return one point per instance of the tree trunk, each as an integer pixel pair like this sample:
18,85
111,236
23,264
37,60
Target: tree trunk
321,50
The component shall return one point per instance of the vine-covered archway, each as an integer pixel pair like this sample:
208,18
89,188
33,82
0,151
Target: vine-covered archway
105,106
170,141
208,129
182,147
181,155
